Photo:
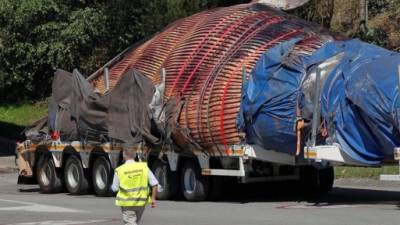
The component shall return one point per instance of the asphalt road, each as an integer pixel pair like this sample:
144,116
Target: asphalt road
255,205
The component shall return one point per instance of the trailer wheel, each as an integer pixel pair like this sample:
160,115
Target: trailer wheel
102,176
317,181
167,179
76,180
194,186
48,178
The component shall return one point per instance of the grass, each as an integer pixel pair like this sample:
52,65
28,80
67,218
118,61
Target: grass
22,114
364,172
14,119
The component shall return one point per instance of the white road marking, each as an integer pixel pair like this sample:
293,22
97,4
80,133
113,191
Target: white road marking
34,207
319,206
61,222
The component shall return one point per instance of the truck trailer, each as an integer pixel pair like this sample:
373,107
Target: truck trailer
236,92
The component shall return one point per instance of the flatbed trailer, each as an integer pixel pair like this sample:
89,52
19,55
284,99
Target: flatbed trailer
198,175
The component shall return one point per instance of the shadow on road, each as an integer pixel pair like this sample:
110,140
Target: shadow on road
362,196
9,134
289,192
29,190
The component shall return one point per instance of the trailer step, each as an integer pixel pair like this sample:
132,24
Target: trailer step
331,153
226,172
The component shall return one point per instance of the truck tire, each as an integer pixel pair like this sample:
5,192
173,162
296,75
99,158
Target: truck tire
102,177
48,177
194,186
76,180
317,181
167,179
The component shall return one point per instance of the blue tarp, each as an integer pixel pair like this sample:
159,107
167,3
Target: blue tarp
359,99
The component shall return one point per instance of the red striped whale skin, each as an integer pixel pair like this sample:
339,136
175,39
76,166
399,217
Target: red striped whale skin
204,56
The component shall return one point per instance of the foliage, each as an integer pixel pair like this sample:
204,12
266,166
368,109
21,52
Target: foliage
384,27
38,36
344,17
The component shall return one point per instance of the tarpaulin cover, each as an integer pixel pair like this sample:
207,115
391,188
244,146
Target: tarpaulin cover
59,113
359,99
79,112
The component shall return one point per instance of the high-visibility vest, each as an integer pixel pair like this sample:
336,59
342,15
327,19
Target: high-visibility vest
133,184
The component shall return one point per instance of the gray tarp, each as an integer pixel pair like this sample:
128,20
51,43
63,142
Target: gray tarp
130,100
59,114
121,115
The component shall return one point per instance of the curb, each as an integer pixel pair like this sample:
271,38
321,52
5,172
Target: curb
365,183
8,162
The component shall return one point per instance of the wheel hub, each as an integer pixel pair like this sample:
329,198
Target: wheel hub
101,177
189,181
73,175
45,175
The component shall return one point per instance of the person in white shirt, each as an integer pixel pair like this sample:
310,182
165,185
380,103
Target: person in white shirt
131,214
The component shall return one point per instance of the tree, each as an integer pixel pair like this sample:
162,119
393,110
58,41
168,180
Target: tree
38,36
347,17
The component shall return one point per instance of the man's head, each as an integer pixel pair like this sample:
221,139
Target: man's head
129,153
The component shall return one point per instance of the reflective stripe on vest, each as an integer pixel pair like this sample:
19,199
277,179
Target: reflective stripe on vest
134,189
133,184
133,199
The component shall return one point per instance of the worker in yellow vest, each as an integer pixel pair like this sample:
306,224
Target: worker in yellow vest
132,181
